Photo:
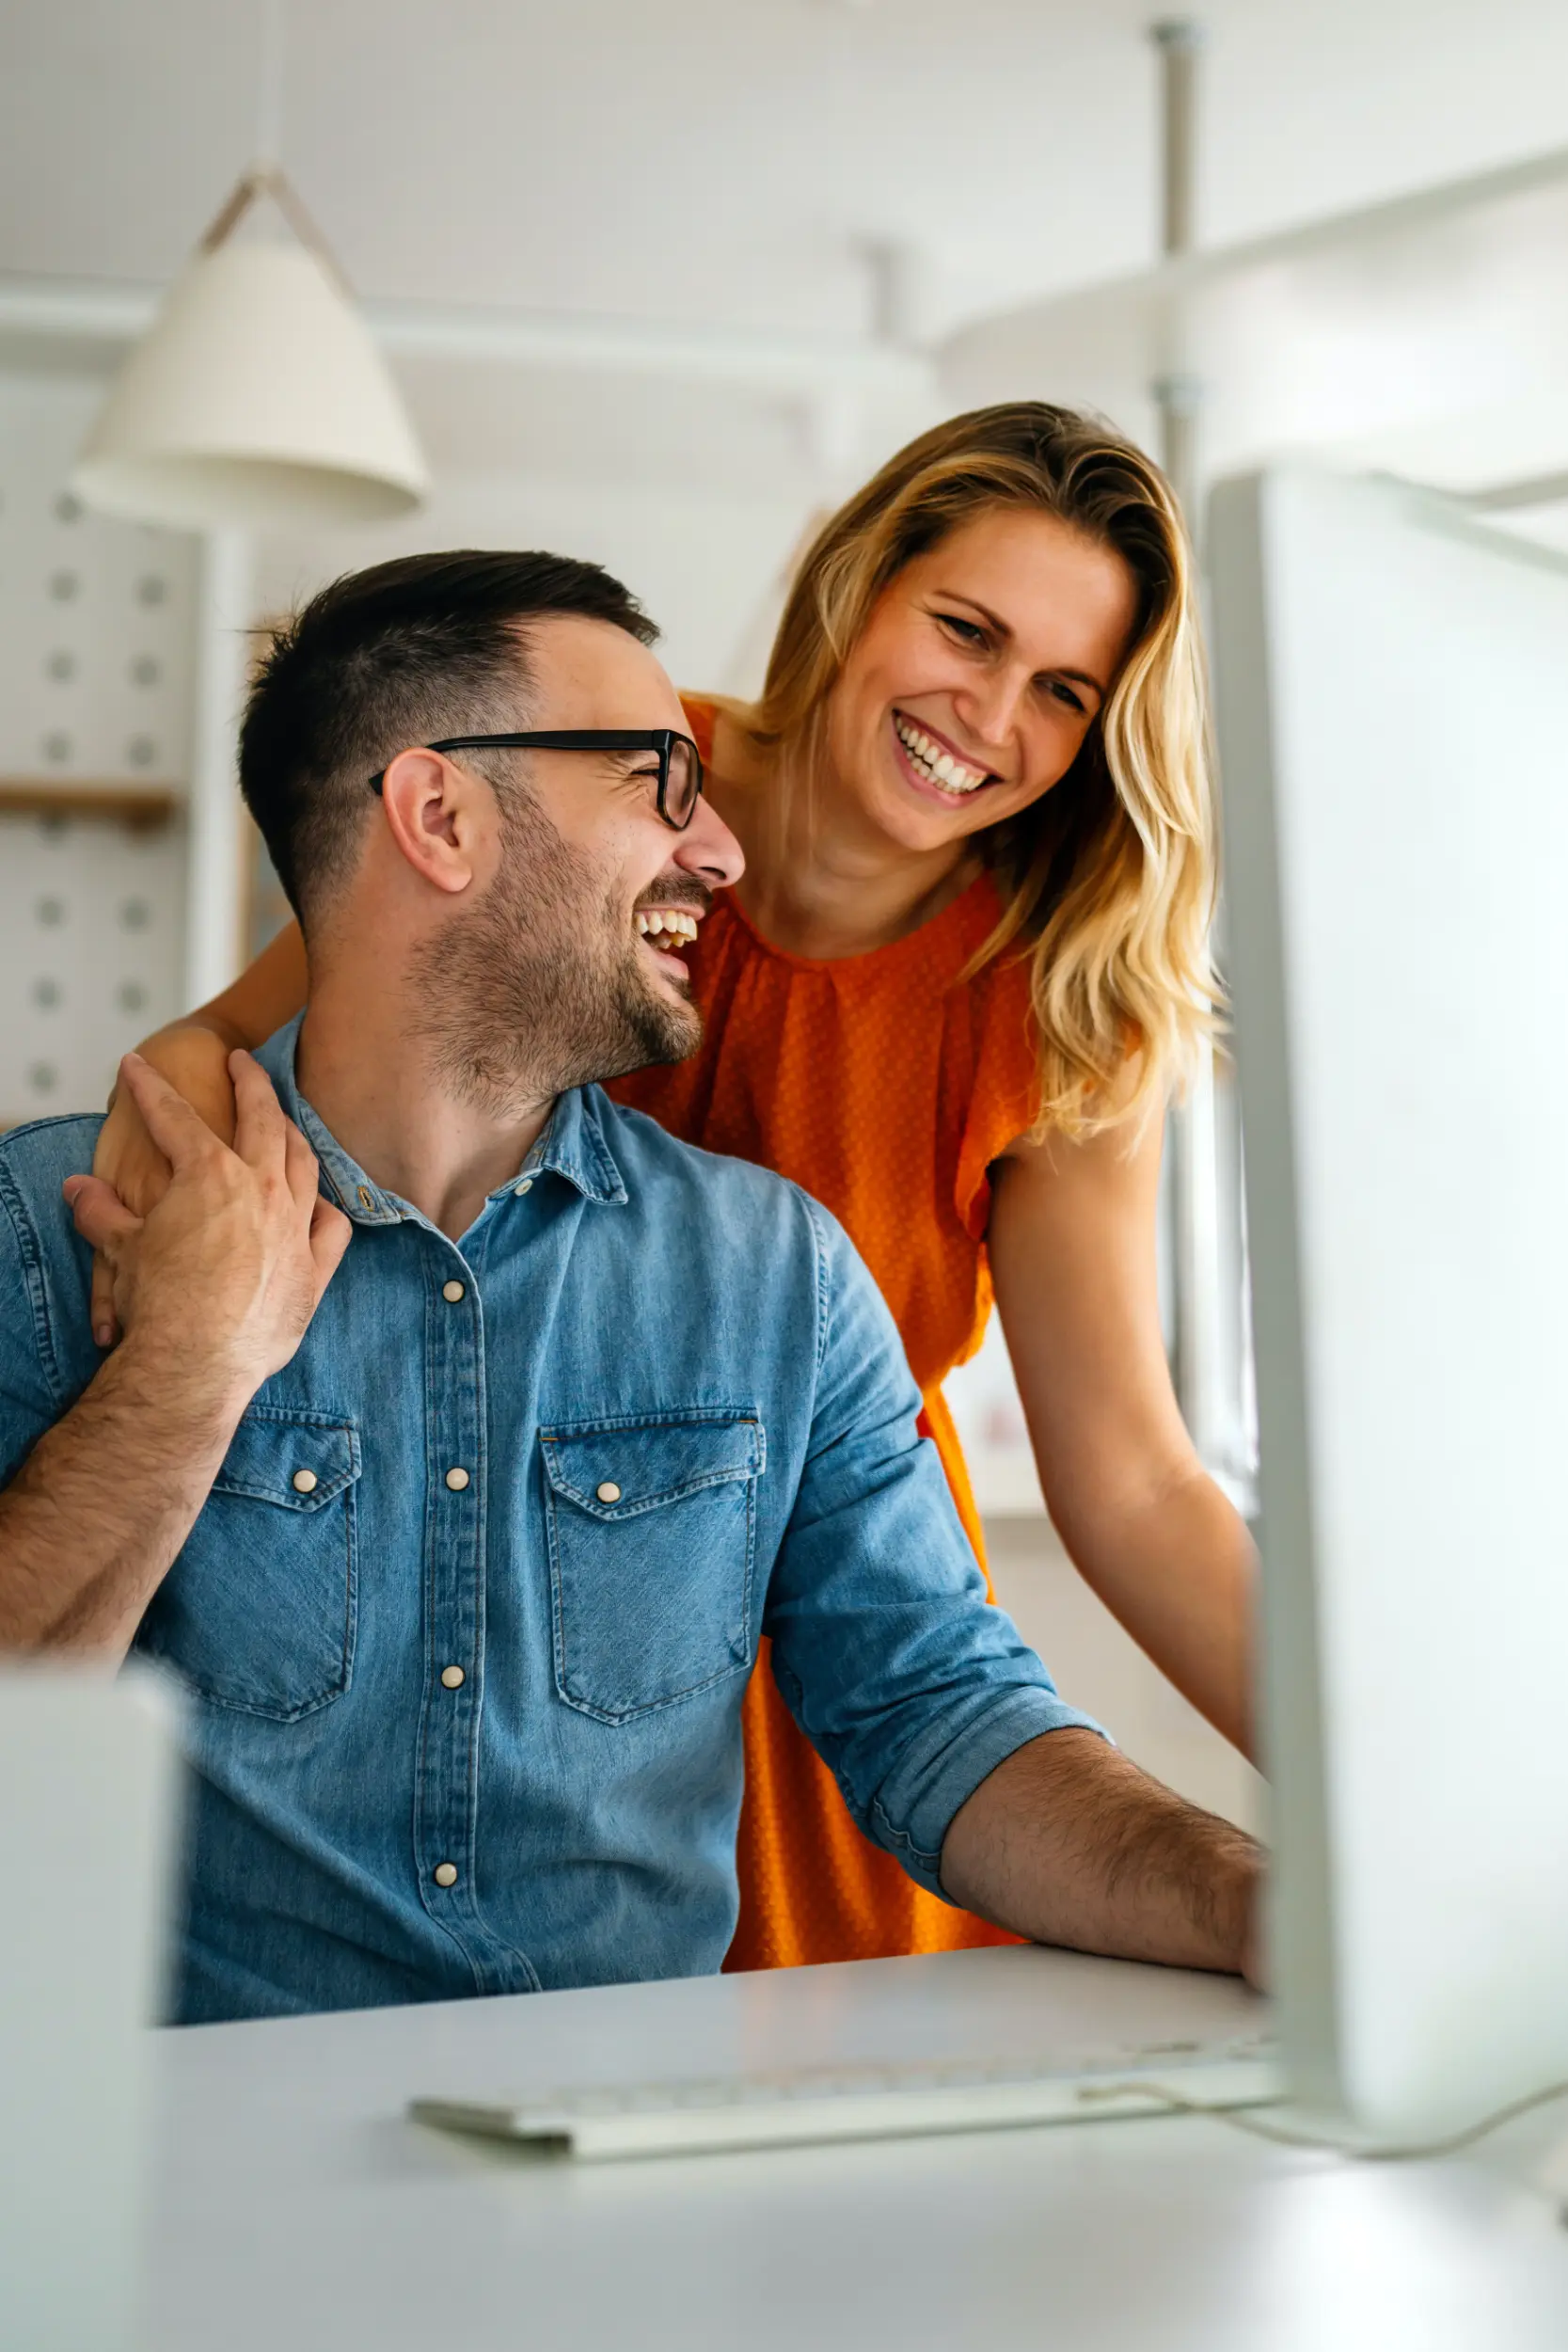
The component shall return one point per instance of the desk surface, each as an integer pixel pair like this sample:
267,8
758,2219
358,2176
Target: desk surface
297,2211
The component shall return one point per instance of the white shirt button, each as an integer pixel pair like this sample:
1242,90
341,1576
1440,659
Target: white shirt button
527,1185
457,1480
609,1492
452,1676
446,1874
305,1481
451,1292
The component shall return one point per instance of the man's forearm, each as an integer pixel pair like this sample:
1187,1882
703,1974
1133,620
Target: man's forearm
92,1520
1069,1843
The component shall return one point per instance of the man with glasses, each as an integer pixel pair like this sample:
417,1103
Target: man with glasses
468,1432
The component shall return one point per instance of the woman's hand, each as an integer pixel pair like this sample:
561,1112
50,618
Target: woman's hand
195,1061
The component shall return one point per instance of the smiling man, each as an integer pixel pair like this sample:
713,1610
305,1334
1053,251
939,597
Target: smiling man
463,1548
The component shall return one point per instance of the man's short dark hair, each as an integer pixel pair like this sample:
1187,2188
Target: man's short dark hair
410,651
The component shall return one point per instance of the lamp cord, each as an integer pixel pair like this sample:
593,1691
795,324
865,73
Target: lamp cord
269,87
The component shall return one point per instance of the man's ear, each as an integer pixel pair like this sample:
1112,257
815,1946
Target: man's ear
432,812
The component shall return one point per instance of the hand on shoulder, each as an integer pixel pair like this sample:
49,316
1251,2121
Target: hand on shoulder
216,1283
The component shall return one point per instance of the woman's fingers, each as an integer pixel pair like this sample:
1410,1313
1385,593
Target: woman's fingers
100,1218
105,1322
100,1215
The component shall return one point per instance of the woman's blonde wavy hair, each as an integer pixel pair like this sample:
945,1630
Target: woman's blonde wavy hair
1108,879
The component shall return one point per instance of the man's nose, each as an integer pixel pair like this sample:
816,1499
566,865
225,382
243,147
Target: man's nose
708,850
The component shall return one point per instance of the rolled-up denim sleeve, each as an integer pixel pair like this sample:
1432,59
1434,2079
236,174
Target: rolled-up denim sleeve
36,1385
904,1676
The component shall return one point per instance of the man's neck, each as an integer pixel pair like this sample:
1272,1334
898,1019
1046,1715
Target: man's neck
374,1089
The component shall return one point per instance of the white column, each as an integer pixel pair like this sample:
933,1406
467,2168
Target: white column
214,904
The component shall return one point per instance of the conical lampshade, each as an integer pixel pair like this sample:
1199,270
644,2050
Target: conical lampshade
256,399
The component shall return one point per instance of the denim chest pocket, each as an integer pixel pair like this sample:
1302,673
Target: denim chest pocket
258,1611
651,1531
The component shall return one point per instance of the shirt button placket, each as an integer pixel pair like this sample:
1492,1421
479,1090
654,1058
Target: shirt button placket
455,1327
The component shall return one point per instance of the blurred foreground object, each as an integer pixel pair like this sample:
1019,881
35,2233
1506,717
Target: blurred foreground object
87,1766
1393,712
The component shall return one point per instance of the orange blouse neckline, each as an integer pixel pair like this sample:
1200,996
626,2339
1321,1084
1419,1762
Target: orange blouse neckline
925,935
701,712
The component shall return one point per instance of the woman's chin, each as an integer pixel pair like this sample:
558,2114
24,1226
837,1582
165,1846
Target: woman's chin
916,821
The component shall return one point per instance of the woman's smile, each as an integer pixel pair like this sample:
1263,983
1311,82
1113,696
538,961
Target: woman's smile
934,764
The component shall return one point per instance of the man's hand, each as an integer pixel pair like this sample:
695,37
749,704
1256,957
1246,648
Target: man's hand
216,1287
195,1061
1069,1843
220,1279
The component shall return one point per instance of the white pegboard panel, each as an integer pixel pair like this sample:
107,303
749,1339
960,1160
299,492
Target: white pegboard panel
98,630
92,925
97,617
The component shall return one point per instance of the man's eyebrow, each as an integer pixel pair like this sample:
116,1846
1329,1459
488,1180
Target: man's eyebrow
957,596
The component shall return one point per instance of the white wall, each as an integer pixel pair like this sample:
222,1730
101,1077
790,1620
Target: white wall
704,565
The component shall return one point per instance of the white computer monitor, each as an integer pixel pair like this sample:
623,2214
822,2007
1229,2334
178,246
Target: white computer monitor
87,1775
1392,687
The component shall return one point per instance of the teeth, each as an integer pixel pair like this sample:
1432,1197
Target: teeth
938,765
658,924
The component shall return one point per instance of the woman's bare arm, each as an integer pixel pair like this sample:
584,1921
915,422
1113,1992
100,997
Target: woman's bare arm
268,992
193,1055
1072,1252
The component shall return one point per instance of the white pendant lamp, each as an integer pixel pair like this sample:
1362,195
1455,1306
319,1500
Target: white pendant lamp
257,398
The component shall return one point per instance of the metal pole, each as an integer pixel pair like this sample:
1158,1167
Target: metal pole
214,883
1197,1270
1178,40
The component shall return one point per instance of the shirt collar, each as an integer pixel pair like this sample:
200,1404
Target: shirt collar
573,1146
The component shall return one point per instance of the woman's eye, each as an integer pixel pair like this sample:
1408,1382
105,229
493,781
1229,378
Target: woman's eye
967,632
1065,694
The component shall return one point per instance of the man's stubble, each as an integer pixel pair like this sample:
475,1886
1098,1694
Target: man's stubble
537,986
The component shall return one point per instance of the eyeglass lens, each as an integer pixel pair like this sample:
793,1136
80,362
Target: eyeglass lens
680,795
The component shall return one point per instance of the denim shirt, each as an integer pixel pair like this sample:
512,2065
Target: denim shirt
466,1620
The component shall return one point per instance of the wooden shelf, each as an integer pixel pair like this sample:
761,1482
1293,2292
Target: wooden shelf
141,808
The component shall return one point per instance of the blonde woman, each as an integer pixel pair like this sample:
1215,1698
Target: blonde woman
963,971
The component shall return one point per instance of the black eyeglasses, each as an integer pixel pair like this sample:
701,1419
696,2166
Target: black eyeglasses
680,763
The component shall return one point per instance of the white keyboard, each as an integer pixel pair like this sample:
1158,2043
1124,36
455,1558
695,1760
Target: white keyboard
798,2105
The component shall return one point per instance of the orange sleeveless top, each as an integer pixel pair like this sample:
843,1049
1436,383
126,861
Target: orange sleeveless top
886,1091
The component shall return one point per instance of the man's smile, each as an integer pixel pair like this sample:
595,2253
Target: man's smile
664,930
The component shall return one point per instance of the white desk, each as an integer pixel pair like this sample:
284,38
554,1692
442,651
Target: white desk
299,2212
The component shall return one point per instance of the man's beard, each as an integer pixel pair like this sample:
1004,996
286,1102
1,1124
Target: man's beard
539,986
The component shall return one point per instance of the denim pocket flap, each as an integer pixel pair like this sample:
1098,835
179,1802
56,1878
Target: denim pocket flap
301,1460
615,1470
259,1612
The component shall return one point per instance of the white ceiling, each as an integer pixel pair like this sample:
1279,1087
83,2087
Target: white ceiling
720,161
718,166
